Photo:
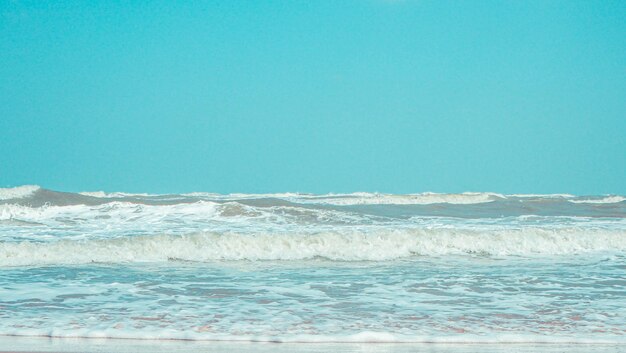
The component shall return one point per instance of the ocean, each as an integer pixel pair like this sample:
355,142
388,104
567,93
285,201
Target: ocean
474,268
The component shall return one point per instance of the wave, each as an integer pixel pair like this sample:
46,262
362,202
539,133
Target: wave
357,198
380,245
427,198
607,199
547,196
18,192
175,215
36,195
242,196
110,195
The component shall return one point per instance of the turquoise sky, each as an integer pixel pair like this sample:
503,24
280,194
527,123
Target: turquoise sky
318,96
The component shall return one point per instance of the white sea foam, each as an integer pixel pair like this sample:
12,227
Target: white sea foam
102,194
427,198
172,216
17,192
242,196
548,196
164,336
382,245
77,213
361,198
607,199
357,198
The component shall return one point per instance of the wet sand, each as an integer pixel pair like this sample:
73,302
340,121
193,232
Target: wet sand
69,345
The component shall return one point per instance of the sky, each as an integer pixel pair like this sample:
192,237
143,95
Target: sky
314,96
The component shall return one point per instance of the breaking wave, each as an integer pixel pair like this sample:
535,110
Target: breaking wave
607,199
409,199
34,195
18,192
347,245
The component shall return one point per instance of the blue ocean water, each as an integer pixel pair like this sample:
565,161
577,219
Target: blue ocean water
362,267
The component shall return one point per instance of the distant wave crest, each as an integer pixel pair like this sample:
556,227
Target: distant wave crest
18,192
607,199
35,195
426,198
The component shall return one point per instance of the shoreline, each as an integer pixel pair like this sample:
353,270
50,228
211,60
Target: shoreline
41,344
363,340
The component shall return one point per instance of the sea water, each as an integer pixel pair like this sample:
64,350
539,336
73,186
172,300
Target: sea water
362,267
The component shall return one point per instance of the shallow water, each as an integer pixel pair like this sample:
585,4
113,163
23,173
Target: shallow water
67,345
474,267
